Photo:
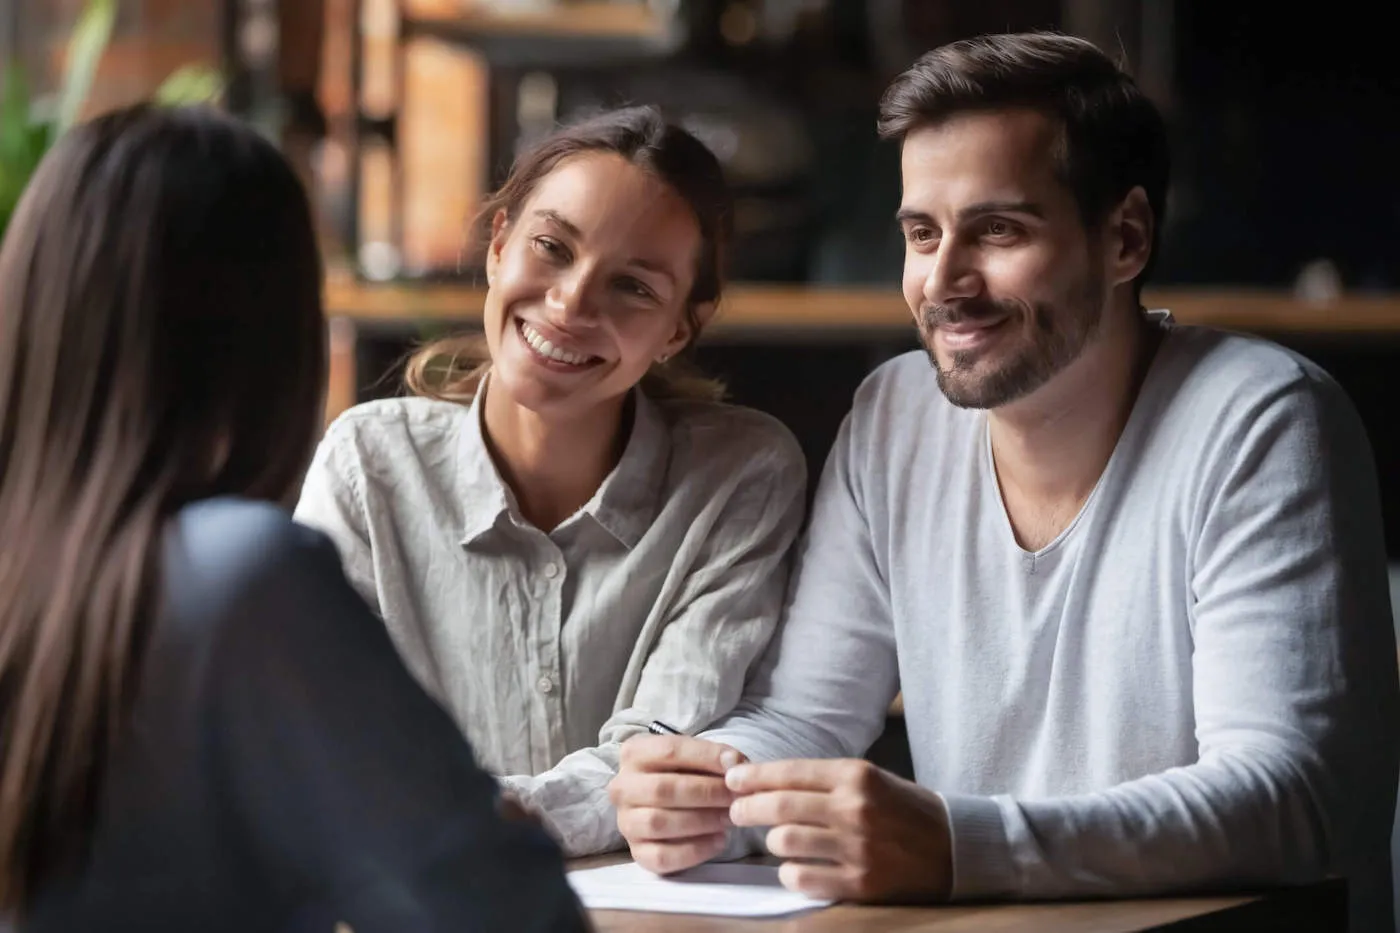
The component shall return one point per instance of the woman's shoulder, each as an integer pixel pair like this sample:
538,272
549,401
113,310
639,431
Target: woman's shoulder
373,437
732,437
398,421
229,558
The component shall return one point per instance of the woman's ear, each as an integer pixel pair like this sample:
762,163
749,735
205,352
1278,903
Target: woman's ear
500,229
685,330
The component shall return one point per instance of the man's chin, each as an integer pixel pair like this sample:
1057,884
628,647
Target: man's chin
982,386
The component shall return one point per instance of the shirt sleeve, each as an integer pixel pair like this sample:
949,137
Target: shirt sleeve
694,673
346,782
1294,689
333,501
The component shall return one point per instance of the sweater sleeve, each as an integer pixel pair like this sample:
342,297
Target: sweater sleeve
825,683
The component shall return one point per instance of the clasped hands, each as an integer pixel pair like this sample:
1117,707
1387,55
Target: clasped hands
845,829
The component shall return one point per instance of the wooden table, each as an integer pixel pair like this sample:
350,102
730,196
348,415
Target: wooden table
1314,908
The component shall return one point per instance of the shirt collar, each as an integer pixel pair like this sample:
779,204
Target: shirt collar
485,495
625,504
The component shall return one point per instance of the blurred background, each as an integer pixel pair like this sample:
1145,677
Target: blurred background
1284,218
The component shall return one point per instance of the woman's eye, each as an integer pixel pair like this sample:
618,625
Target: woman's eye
634,287
550,247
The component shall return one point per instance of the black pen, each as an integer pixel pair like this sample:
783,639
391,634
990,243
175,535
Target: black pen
658,727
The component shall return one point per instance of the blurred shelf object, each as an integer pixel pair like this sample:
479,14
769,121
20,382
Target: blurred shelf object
480,22
250,41
553,33
439,91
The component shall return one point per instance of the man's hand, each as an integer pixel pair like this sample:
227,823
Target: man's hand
847,830
672,803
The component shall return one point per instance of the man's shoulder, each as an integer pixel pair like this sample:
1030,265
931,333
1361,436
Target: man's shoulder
901,398
1217,374
911,371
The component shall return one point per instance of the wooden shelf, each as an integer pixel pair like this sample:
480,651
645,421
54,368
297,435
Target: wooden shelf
834,311
590,20
568,34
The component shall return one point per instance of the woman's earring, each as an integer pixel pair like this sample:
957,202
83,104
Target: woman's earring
663,357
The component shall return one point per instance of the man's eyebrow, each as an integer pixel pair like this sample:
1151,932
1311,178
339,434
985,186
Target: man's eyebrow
908,215
1002,207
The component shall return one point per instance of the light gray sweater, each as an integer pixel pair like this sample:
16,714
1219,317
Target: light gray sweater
1193,685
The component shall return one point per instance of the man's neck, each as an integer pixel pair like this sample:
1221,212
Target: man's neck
1051,447
553,465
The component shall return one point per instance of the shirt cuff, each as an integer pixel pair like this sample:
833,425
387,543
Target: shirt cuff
982,862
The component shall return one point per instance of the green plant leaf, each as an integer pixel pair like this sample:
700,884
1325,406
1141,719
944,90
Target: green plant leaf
14,112
23,141
85,48
192,84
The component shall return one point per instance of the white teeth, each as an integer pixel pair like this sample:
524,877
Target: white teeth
547,349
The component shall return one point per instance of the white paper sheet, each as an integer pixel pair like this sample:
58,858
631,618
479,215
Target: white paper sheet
720,889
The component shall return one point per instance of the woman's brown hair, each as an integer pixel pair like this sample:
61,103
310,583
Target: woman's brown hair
452,368
161,341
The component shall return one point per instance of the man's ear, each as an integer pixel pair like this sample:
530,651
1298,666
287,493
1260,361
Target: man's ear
1131,227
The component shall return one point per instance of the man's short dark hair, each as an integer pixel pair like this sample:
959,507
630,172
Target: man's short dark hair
1113,138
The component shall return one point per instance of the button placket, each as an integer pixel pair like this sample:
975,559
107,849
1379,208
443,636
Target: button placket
548,687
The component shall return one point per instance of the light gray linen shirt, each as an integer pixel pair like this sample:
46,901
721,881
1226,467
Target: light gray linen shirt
551,649
1193,685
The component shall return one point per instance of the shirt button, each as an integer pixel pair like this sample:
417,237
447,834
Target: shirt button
545,685
551,570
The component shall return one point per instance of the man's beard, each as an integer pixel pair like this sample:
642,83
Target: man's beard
1060,332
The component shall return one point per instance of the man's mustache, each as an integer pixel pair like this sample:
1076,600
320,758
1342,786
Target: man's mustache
932,316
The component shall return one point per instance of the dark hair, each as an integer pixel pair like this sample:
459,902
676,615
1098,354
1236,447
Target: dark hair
1114,138
161,341
452,368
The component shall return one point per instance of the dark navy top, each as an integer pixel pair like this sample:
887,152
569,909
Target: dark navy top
283,771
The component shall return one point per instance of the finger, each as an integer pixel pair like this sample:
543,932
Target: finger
828,882
647,824
776,807
793,774
806,842
664,858
680,791
657,753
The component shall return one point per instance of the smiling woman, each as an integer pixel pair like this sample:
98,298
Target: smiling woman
567,535
627,174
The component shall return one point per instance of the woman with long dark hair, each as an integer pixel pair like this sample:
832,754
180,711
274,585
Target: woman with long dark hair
202,727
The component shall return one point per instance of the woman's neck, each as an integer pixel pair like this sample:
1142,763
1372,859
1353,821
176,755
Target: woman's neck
553,465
